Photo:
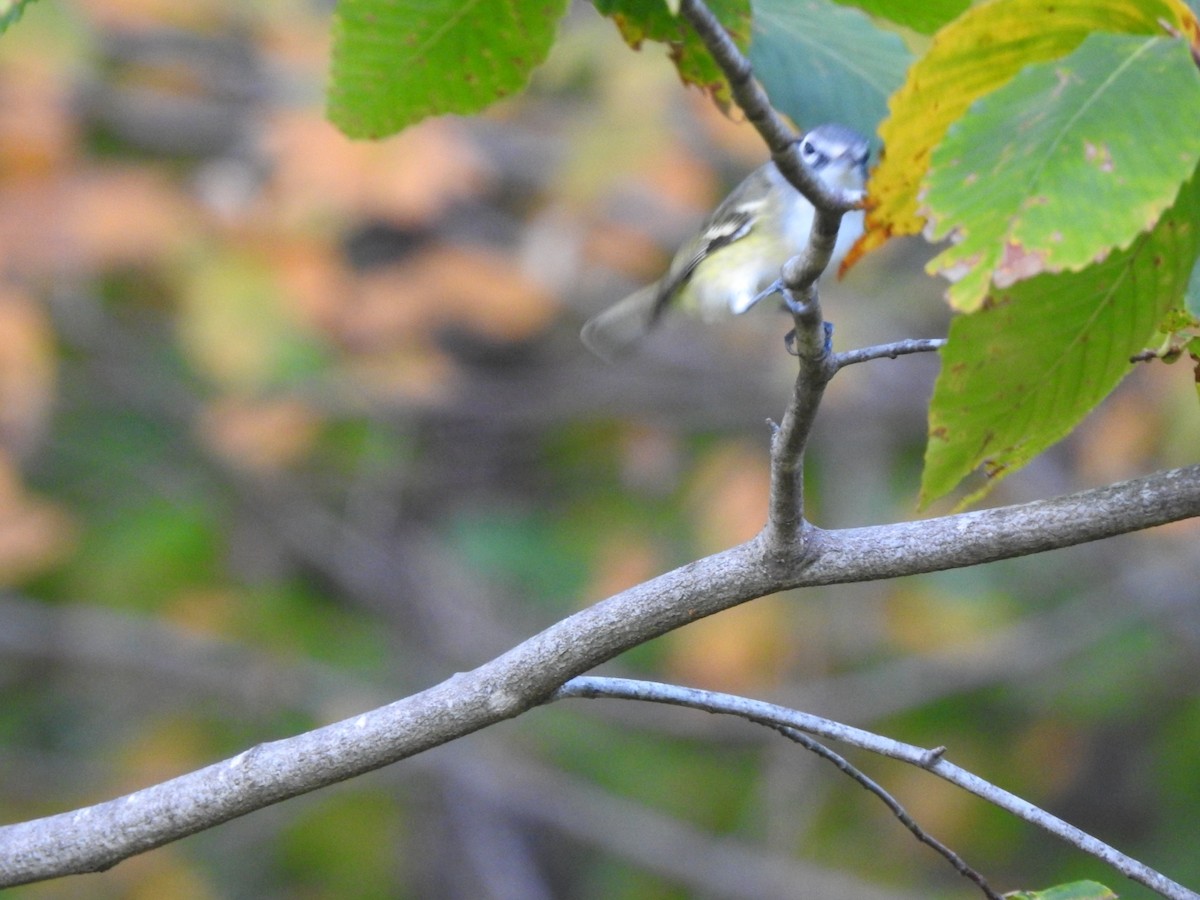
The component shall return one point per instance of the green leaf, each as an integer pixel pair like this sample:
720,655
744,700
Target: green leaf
142,555
396,62
1023,370
1050,173
926,17
1076,890
655,20
10,12
824,63
972,56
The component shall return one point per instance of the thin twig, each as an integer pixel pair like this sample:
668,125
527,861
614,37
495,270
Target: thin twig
830,204
96,837
869,784
887,351
932,760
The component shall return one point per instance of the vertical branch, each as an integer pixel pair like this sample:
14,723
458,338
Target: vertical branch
785,527
750,97
753,101
784,533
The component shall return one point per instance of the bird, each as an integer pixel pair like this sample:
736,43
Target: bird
737,253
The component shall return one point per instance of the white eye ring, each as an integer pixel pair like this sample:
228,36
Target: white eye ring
811,155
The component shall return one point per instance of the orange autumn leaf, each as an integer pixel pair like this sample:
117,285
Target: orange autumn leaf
27,371
741,650
480,290
407,179
259,435
729,495
38,134
35,534
127,215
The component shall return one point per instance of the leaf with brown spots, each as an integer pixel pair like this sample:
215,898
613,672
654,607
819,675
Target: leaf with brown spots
1023,370
1050,173
971,57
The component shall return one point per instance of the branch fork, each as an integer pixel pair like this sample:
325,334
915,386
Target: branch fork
788,553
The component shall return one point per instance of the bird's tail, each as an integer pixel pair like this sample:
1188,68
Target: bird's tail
615,332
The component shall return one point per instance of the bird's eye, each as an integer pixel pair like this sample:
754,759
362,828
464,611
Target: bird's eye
811,155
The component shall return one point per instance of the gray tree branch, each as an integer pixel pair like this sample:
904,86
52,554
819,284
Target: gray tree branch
96,837
932,760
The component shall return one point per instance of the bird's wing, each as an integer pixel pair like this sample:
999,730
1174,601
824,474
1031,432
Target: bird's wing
730,222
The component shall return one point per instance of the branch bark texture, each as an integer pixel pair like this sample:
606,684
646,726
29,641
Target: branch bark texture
97,837
932,760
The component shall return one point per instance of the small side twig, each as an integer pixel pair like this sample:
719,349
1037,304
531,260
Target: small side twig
818,364
869,784
931,760
887,351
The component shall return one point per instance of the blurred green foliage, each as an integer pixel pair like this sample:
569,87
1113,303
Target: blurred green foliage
293,427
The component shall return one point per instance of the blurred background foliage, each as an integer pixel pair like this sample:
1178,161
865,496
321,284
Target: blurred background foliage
290,427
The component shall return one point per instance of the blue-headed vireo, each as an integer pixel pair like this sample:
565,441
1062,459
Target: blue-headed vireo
741,247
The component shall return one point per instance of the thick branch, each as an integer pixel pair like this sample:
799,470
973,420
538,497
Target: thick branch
968,539
97,837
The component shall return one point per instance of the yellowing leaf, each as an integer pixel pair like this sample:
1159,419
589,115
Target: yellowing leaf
925,17
973,56
1048,172
236,328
